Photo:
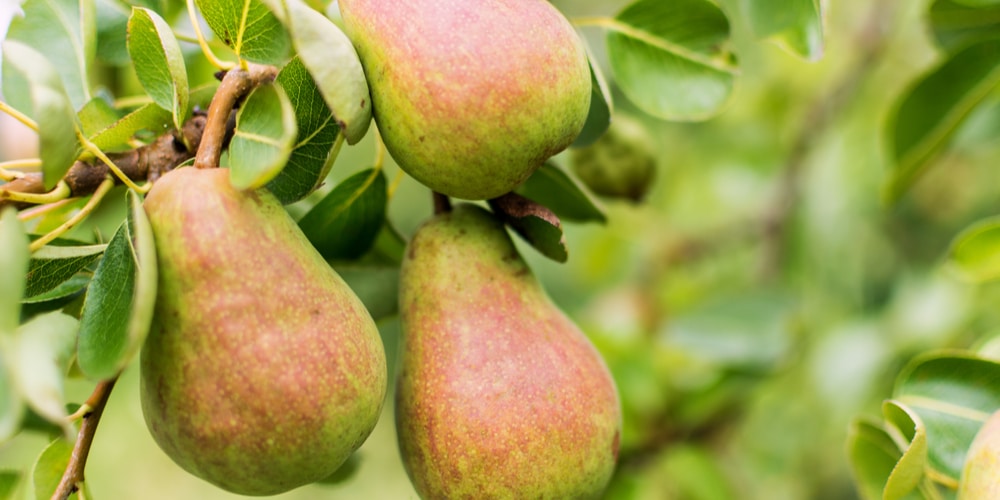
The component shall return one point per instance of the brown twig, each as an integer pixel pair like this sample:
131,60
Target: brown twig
236,84
441,204
74,474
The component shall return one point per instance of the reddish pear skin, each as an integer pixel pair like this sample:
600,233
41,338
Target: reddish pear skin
499,395
981,474
263,371
471,96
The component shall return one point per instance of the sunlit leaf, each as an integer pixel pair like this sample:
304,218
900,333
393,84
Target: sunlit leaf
14,262
975,252
118,310
51,109
316,145
933,109
96,115
117,135
669,58
345,223
905,427
873,456
38,357
63,32
533,222
158,62
247,27
49,468
264,137
550,186
53,265
11,404
8,483
334,65
795,25
953,394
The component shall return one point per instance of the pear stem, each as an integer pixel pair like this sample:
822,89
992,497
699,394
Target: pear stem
441,204
236,84
73,476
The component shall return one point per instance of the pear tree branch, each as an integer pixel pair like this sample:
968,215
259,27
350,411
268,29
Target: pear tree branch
94,407
236,84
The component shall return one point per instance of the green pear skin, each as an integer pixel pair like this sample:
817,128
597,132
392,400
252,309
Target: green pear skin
981,474
263,371
499,395
471,96
621,164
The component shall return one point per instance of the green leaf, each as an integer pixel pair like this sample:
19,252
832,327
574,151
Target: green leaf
794,25
334,65
64,290
118,310
117,136
953,394
11,404
376,285
599,115
264,137
53,265
112,33
550,186
535,223
933,109
318,141
62,31
14,261
345,223
956,26
96,115
669,57
247,27
906,429
49,468
38,356
8,483
873,455
51,110
158,62
975,252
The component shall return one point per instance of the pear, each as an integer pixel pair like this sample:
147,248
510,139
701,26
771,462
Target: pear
263,371
471,96
621,164
499,395
981,473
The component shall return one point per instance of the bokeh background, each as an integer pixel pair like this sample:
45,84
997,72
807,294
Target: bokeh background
759,299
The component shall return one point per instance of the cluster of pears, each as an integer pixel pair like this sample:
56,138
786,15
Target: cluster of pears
262,371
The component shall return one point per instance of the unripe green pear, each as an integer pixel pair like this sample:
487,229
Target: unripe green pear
263,371
500,395
981,474
621,164
471,96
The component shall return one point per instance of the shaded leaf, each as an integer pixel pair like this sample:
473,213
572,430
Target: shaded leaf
905,427
317,144
953,394
112,32
535,223
247,27
550,186
118,310
38,356
14,261
956,26
49,468
334,65
376,285
53,265
669,57
264,137
345,223
795,25
158,62
599,115
63,32
51,109
933,109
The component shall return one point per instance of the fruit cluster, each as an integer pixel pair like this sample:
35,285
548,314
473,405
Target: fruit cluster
264,372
